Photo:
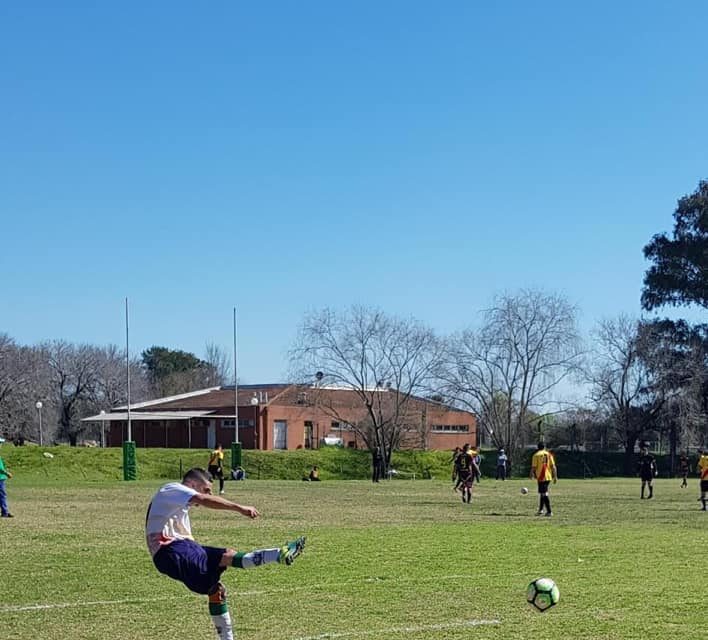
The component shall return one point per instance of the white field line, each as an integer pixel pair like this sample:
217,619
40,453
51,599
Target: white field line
67,605
236,594
390,630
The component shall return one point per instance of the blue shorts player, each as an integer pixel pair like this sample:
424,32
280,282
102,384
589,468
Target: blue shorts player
175,553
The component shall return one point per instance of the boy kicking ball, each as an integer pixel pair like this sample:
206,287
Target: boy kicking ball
176,554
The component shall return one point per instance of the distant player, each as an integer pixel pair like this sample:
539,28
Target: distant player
175,553
647,470
683,470
455,481
467,471
543,470
702,468
501,465
216,466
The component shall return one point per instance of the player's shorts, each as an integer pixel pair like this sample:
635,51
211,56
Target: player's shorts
647,476
704,485
197,567
543,486
215,471
466,478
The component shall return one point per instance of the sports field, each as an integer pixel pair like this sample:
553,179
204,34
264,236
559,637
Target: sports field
402,559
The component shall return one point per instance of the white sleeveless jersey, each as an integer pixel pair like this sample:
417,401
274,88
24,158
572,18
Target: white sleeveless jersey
168,516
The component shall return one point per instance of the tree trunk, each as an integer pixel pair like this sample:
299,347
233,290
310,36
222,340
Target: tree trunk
629,454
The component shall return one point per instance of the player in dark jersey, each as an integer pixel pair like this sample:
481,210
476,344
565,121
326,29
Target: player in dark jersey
646,470
684,470
467,471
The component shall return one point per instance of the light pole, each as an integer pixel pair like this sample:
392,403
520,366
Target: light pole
103,428
38,406
254,404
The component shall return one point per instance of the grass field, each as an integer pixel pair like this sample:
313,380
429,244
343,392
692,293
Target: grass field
402,559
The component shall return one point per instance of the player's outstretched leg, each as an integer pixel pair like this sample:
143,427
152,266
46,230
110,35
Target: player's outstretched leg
285,555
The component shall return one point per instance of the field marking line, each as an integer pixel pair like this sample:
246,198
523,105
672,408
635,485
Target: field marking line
418,629
66,605
384,581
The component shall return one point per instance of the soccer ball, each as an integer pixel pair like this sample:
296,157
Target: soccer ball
542,594
524,491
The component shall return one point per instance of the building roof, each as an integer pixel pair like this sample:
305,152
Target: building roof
219,401
119,416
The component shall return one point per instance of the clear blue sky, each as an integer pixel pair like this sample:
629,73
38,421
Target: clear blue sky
284,156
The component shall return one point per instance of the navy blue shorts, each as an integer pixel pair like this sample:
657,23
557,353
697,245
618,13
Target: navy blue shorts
191,563
543,486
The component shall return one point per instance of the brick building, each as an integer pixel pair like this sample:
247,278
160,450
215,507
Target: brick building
280,416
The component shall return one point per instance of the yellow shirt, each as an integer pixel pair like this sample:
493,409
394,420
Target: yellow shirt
217,457
703,467
543,464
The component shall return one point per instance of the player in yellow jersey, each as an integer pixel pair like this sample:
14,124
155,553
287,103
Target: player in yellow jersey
216,466
543,470
702,468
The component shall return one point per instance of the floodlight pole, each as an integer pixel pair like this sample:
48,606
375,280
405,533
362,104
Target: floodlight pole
103,429
127,368
38,405
235,385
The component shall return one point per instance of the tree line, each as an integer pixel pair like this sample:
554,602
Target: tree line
56,383
645,378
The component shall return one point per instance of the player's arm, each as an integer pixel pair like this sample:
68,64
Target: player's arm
532,473
216,502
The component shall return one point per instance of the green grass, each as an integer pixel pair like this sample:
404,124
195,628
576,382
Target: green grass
402,559
106,464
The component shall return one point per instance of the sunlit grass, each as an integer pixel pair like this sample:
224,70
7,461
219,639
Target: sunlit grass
402,559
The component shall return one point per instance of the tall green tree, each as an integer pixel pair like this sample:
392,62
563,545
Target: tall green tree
172,371
679,273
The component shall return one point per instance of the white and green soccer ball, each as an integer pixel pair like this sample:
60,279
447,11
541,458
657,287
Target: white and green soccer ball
542,594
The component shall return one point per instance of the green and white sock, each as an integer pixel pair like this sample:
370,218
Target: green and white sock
222,621
255,558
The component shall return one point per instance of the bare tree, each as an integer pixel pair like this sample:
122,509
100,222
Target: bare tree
506,370
622,382
74,374
218,365
384,361
23,382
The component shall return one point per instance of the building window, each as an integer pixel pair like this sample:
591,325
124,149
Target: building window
450,428
242,422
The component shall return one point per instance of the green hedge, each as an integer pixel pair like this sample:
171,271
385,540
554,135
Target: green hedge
335,463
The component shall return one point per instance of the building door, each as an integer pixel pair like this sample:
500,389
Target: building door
308,434
211,435
280,434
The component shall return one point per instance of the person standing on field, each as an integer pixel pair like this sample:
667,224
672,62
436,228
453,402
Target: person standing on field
378,465
216,466
4,475
467,472
175,553
501,465
683,470
647,470
702,468
543,470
